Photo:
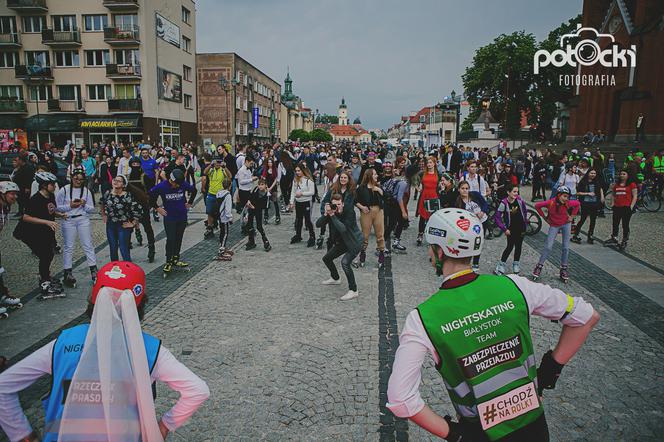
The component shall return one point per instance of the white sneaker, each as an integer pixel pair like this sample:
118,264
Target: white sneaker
332,281
475,269
350,295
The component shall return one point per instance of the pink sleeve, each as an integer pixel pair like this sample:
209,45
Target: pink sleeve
575,206
539,205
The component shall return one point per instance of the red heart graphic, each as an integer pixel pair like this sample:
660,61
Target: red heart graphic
463,223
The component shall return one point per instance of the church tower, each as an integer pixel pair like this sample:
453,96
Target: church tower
343,113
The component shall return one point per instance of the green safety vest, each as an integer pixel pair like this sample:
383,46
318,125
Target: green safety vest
640,174
658,164
481,332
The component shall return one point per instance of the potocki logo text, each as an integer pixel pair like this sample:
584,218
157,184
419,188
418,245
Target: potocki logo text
586,52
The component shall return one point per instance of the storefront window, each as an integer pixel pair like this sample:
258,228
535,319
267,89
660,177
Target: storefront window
169,132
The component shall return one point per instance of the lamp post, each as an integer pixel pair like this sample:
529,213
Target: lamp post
227,86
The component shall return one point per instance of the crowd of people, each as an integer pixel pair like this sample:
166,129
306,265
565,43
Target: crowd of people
134,185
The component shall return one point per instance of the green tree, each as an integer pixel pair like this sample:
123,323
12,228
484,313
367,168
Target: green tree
320,135
299,134
502,72
374,137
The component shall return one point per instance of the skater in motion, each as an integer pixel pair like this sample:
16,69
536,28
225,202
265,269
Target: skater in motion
174,211
8,195
37,230
78,203
396,209
511,217
257,204
560,214
442,327
625,197
225,204
60,358
138,186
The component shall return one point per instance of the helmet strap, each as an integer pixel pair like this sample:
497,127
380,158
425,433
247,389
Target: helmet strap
439,261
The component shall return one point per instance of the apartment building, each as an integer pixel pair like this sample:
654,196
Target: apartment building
92,70
237,102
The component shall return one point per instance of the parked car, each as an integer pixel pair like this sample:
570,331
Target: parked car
7,168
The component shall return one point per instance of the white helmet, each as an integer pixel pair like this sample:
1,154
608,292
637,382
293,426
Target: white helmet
575,151
458,232
45,178
8,186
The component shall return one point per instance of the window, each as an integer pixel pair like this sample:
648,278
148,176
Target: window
8,59
34,23
40,58
68,92
186,44
186,15
128,57
8,25
186,72
187,101
64,23
99,92
40,93
11,92
95,23
127,91
66,58
126,21
97,57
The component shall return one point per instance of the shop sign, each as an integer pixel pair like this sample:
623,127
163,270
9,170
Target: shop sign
109,123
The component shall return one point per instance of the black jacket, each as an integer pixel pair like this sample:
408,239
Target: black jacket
345,228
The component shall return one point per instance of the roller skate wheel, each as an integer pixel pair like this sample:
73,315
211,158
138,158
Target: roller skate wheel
4,315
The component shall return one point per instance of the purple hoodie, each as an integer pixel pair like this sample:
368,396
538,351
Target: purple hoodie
502,216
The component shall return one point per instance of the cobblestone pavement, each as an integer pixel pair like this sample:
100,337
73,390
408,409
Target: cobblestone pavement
286,360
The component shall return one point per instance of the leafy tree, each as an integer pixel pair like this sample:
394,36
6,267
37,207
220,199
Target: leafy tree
320,135
374,137
299,134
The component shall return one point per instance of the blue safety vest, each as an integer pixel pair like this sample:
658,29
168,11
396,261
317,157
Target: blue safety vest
66,355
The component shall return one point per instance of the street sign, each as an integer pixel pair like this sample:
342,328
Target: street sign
255,122
273,122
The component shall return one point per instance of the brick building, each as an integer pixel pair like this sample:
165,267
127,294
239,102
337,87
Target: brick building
614,109
245,109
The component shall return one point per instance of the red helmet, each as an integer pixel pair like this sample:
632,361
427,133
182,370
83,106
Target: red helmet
121,275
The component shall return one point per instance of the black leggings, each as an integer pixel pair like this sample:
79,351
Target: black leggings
224,229
514,241
393,221
44,251
621,214
147,226
174,233
286,187
422,225
539,189
588,210
255,215
303,213
336,251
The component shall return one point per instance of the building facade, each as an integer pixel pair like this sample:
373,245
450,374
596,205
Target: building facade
237,102
638,92
92,70
348,132
294,114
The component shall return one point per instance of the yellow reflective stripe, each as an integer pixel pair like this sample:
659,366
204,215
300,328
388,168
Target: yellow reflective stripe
570,304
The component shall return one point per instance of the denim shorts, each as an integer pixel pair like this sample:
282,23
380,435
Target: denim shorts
211,207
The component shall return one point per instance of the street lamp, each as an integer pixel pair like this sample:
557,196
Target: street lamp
227,86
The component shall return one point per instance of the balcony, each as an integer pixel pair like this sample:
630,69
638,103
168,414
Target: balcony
121,105
12,106
121,5
33,73
10,40
65,106
28,6
122,35
123,72
61,38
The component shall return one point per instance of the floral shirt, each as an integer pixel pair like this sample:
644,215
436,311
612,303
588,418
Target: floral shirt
121,208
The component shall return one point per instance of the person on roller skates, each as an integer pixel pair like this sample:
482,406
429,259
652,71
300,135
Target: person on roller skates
625,193
37,230
174,211
120,286
225,204
443,326
8,195
138,185
257,203
560,215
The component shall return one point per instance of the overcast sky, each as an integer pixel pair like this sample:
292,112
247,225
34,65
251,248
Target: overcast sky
387,57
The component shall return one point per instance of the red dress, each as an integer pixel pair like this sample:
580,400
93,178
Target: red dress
429,191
